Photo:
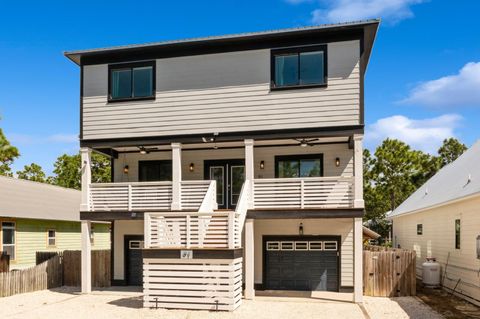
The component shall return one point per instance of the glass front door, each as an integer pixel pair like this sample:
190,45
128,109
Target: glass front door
230,175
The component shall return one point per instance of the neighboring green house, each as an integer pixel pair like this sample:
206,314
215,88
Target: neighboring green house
41,217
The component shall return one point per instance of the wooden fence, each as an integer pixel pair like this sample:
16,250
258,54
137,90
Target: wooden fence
43,276
72,265
4,262
388,272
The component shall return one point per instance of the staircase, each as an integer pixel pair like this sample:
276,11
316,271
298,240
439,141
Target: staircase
193,260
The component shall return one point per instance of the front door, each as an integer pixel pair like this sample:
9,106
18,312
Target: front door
133,260
230,175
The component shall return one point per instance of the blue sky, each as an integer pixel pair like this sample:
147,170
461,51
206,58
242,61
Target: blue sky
422,84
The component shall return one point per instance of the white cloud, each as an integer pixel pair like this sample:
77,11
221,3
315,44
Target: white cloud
26,139
332,11
462,89
426,134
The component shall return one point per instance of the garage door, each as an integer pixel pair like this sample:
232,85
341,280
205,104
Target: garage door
302,263
134,260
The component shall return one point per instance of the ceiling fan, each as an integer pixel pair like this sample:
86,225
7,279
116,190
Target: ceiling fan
144,150
304,142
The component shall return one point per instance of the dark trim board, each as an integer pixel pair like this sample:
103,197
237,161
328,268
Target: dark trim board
198,253
338,238
119,282
335,131
110,216
304,213
252,213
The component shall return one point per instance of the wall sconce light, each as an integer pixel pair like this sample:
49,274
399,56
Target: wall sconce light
125,169
300,229
191,167
262,164
337,162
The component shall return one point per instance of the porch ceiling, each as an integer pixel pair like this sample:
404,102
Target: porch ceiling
235,144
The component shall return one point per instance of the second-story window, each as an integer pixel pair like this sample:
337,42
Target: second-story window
299,67
132,81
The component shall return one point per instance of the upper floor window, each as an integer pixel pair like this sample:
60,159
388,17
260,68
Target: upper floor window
299,67
310,165
419,229
132,81
51,237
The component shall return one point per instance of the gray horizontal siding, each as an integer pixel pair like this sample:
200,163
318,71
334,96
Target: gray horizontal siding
224,93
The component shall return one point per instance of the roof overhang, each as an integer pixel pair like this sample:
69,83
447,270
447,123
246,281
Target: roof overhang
363,30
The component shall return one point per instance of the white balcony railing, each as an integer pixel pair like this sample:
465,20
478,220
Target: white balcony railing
205,228
305,192
130,196
141,196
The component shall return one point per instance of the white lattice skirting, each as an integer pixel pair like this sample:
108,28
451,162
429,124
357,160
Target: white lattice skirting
202,284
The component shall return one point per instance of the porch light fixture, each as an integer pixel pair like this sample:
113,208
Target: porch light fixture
262,164
300,229
337,162
191,167
125,169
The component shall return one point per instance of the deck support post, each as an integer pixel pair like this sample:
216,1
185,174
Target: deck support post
357,260
176,176
249,260
358,171
86,257
86,155
249,169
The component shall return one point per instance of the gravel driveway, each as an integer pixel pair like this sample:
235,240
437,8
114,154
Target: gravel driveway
68,303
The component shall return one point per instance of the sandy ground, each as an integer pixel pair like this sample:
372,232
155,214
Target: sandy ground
68,303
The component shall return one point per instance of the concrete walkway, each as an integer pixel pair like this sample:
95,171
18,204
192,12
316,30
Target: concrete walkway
127,303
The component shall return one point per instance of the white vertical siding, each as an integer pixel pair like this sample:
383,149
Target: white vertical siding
224,92
438,240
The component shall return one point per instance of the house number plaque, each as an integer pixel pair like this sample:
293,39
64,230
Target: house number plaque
186,254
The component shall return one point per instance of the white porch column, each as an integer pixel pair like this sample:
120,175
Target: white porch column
86,155
358,170
176,176
249,260
86,258
249,169
357,260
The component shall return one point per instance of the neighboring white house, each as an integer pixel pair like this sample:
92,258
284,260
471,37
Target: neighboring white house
442,220
237,160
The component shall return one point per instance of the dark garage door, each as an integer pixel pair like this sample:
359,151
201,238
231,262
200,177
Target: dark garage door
134,262
302,263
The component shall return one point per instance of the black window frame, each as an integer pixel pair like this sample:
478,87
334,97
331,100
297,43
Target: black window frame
285,51
152,162
419,229
299,157
120,66
458,233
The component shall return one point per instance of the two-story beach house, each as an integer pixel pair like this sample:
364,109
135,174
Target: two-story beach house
237,162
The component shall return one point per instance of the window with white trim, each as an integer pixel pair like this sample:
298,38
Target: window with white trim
8,239
51,237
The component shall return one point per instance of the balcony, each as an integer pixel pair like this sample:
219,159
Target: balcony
268,193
